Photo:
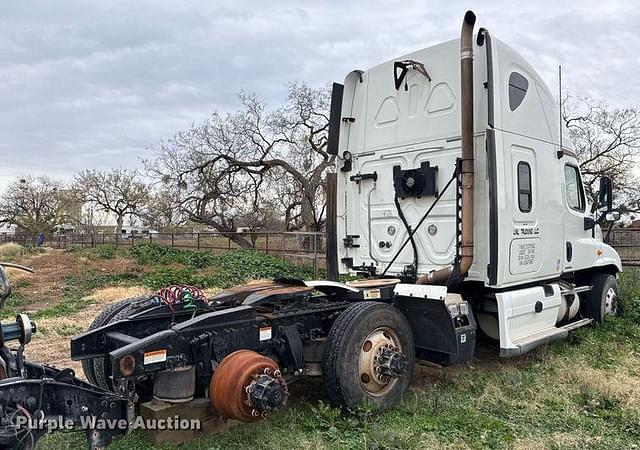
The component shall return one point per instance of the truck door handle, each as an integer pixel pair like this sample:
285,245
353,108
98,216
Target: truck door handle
569,251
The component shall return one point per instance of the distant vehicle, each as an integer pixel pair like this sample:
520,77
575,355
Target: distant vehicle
7,230
64,228
133,232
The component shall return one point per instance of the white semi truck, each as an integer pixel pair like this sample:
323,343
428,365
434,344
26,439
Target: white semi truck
455,195
513,234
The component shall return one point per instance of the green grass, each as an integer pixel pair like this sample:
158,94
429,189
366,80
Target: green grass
572,394
14,304
157,267
12,252
160,266
71,296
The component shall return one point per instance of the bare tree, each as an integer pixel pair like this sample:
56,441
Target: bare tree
118,192
33,204
214,195
160,212
607,142
229,167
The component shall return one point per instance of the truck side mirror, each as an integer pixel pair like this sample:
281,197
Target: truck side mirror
605,196
612,216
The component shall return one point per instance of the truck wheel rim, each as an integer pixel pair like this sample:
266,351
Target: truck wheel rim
611,302
380,340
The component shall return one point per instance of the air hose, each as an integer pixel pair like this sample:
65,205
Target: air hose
408,228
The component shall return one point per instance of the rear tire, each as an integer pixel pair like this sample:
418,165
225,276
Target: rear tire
363,333
603,300
95,368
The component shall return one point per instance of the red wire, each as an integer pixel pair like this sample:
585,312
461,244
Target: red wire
174,294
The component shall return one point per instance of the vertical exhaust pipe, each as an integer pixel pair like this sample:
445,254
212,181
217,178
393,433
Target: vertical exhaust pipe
461,266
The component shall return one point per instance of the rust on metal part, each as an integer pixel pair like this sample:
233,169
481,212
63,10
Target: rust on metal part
230,380
372,283
261,289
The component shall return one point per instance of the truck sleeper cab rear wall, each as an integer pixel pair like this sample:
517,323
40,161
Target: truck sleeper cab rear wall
383,127
530,207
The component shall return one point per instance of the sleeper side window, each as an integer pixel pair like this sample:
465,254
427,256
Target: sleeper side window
525,200
573,188
518,86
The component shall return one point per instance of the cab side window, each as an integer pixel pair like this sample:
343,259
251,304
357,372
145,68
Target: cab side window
525,199
573,188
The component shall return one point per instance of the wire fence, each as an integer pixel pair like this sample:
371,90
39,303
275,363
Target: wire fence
627,243
297,247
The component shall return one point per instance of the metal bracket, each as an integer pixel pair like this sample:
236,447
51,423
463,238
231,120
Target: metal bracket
403,68
364,176
348,241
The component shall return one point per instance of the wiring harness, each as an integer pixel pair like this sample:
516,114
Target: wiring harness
179,294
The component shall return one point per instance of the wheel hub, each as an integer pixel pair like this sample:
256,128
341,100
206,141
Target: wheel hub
246,386
611,302
266,392
381,361
391,364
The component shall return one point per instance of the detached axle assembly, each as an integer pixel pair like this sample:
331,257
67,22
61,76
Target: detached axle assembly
247,386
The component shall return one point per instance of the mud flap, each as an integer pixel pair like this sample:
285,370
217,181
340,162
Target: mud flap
442,334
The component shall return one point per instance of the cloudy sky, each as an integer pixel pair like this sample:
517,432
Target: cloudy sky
87,84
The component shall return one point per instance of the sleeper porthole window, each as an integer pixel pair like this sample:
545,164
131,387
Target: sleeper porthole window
525,200
518,86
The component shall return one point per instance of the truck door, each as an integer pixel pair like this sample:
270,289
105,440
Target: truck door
579,243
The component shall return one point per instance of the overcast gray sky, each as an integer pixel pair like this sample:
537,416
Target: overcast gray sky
87,84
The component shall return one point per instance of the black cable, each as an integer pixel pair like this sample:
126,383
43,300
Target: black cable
608,236
426,214
408,228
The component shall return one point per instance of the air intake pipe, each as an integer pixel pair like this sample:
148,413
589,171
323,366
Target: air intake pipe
462,264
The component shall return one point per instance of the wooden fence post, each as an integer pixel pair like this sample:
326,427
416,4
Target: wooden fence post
284,246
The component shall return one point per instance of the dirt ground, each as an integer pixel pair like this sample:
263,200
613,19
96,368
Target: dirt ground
51,343
53,348
51,267
42,289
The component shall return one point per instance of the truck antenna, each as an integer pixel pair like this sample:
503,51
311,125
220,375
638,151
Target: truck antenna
560,152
